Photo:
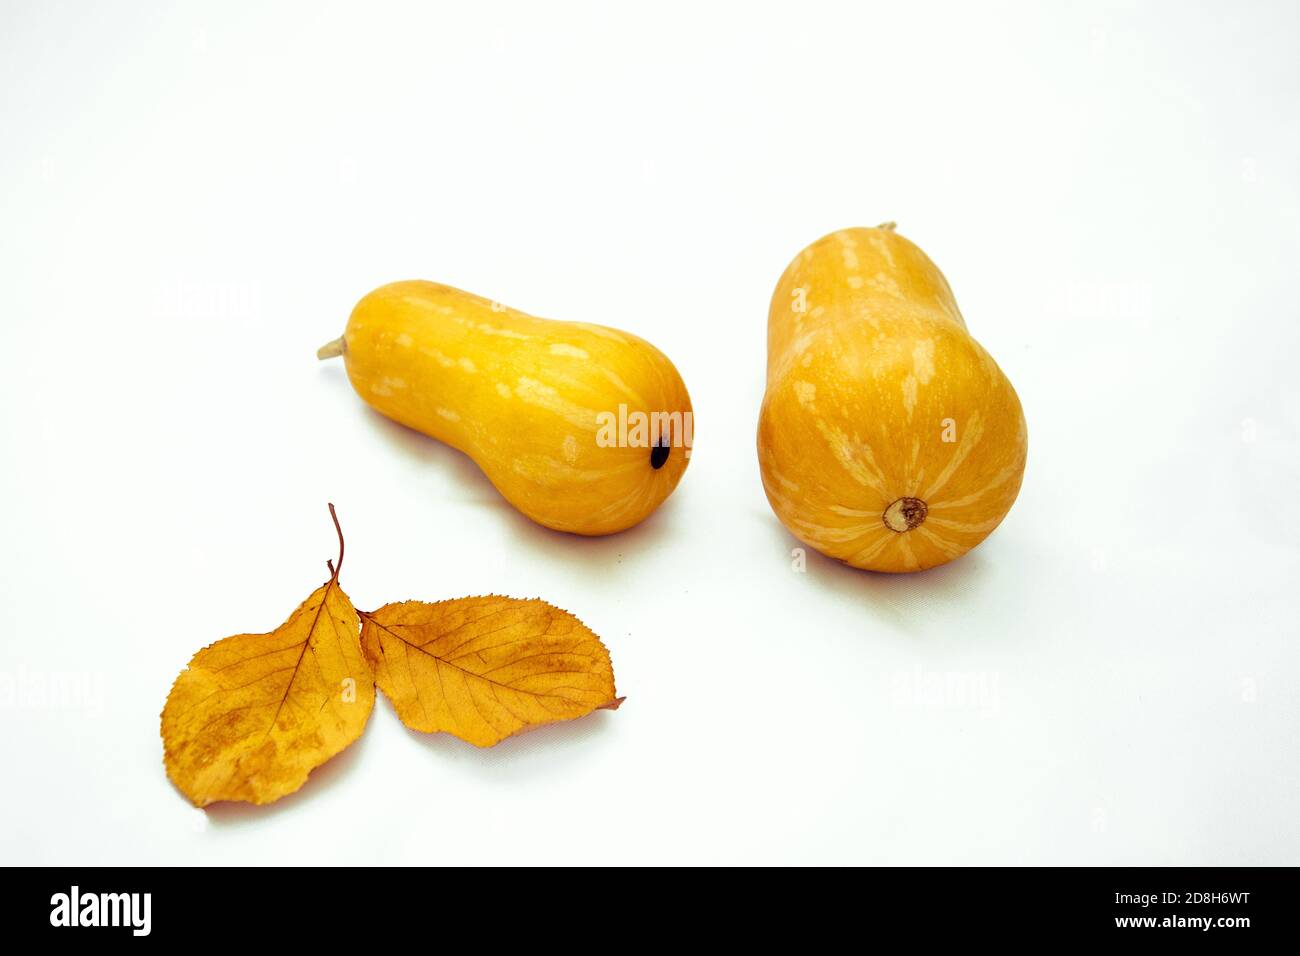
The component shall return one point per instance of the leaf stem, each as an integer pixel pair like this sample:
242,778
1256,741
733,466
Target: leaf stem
334,570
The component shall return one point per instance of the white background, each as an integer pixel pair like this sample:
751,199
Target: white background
192,197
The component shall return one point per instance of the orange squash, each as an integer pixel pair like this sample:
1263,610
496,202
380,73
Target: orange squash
583,428
888,438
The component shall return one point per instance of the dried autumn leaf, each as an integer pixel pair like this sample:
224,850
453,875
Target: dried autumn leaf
484,668
254,714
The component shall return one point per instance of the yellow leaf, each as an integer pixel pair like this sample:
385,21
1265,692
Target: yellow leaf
483,668
254,714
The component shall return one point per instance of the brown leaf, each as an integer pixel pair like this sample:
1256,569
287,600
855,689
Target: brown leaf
254,714
484,668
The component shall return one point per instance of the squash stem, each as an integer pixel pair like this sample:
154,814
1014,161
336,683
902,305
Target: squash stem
331,349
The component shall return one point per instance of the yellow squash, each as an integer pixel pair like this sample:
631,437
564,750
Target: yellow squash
582,428
888,439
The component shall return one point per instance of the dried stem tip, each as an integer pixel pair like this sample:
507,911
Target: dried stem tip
331,349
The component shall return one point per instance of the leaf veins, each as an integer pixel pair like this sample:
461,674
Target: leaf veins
483,668
252,715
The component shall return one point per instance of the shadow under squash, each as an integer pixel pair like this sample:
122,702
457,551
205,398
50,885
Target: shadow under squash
904,598
593,553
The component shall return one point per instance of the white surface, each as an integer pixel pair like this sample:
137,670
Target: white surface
193,197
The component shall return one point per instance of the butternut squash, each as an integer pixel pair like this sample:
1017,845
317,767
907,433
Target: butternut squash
583,428
888,438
